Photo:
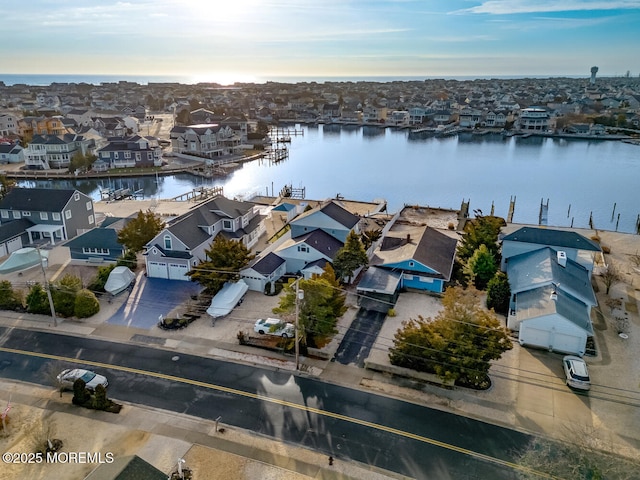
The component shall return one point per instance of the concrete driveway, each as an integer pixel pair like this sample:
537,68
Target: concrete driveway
150,298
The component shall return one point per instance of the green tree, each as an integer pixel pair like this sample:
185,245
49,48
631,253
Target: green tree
140,230
350,257
6,184
481,267
64,293
81,162
322,304
457,345
499,293
37,300
86,304
102,275
368,237
81,394
224,259
482,230
10,299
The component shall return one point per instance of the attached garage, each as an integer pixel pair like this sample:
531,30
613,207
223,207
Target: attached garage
178,271
157,270
13,245
553,333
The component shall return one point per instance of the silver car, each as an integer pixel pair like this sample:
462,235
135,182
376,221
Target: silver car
66,378
576,372
274,326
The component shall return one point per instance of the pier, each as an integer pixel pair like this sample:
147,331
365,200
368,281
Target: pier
198,194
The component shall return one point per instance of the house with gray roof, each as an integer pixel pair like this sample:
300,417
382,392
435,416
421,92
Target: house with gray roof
303,250
54,151
330,217
264,270
11,153
129,152
551,301
54,214
181,245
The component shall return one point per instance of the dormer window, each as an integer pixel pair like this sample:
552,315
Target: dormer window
227,224
167,242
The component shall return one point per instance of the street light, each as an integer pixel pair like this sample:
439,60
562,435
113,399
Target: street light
299,296
47,288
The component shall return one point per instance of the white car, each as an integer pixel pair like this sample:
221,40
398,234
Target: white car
66,378
575,369
274,326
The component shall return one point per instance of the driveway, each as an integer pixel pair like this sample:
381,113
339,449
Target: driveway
359,339
150,298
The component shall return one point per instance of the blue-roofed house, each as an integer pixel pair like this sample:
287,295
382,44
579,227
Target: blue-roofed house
98,245
551,301
577,247
423,255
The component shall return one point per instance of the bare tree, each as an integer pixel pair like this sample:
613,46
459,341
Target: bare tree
50,372
611,276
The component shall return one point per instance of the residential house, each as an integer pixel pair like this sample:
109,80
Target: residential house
551,301
54,151
578,248
331,217
264,271
533,119
419,115
469,117
206,140
495,119
371,114
54,214
98,245
8,125
300,251
181,245
422,255
11,153
41,125
442,117
13,235
399,118
134,151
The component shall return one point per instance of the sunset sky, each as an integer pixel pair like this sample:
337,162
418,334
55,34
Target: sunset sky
255,40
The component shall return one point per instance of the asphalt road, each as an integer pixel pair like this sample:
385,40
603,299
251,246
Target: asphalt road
359,339
410,439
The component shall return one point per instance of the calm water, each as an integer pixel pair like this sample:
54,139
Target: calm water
366,163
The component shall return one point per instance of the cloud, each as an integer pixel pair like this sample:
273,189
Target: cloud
508,7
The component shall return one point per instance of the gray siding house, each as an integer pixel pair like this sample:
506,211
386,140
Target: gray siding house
181,245
54,214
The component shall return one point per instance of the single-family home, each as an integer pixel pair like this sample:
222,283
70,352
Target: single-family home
551,301
264,270
98,245
55,214
54,151
182,243
11,153
330,217
302,250
205,140
134,151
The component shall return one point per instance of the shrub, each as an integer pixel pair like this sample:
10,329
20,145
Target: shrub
606,249
391,312
129,259
595,238
100,401
86,304
37,300
98,282
81,394
10,299
64,294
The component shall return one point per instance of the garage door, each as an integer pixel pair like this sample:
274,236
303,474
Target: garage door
14,244
157,270
534,337
3,249
178,271
568,343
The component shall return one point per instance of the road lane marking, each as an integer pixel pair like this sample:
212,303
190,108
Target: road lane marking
286,403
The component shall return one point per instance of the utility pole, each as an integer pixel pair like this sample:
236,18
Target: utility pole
48,289
299,296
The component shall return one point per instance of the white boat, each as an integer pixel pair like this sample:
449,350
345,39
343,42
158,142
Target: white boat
119,279
24,258
227,298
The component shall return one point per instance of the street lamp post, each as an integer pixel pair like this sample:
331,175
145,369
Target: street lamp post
299,296
48,289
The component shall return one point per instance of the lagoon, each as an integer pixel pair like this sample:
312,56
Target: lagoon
578,178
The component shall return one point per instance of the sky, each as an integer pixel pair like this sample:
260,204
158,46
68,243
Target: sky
257,40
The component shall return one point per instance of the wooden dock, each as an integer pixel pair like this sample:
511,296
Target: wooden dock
197,194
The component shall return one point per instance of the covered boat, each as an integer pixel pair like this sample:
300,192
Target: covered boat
227,298
24,258
119,279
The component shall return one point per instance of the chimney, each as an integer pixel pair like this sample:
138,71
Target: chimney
562,258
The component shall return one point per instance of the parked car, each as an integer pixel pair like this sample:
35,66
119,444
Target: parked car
66,378
576,372
274,326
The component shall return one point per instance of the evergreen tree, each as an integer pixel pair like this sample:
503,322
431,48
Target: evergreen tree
350,257
482,230
64,293
140,230
499,293
10,299
481,267
224,259
37,300
86,304
457,345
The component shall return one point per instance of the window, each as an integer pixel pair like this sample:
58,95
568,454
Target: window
127,154
76,196
89,205
55,216
16,214
227,224
26,214
90,219
411,264
4,214
167,242
67,214
303,248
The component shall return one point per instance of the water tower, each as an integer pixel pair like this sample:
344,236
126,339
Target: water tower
594,70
